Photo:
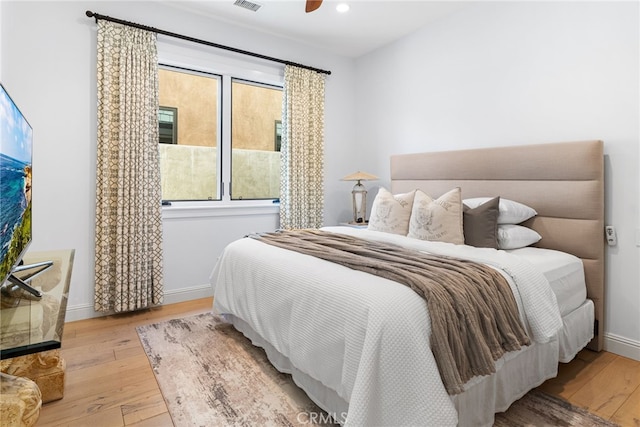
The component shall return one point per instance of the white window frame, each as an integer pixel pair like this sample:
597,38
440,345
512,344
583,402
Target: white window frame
199,58
228,141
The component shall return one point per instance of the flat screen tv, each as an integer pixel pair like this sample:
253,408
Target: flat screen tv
16,146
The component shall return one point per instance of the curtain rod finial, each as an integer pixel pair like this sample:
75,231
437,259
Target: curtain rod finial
92,15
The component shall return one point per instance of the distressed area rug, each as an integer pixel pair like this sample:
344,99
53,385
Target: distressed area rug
211,375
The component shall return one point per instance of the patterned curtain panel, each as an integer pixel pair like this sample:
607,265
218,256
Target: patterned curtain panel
302,149
128,264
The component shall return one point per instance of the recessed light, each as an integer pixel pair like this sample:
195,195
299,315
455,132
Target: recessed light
342,7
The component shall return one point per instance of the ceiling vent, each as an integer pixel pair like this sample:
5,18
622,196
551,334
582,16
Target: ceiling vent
248,5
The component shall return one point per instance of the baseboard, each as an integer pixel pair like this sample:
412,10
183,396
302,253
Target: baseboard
86,311
188,294
80,312
622,346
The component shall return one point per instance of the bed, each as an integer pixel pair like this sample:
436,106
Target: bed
358,344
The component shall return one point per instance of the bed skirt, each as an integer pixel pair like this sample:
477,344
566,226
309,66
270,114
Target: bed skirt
518,372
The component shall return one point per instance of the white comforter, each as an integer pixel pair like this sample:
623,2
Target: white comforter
363,336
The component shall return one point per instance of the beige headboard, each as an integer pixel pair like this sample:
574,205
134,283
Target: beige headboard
563,182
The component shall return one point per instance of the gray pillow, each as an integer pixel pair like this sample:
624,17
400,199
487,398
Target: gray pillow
510,212
480,224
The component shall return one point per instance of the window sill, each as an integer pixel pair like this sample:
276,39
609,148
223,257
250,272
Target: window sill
188,210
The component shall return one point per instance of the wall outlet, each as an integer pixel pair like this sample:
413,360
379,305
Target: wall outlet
610,235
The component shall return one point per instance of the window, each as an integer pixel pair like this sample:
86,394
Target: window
277,138
168,124
188,167
255,108
224,145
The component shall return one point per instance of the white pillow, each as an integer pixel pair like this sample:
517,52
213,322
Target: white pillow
437,220
511,236
510,212
390,213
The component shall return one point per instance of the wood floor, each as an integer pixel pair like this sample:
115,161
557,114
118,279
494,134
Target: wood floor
109,381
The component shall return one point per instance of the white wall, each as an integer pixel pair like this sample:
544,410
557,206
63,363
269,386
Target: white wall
508,73
49,68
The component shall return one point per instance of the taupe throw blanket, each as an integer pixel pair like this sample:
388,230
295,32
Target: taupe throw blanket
474,316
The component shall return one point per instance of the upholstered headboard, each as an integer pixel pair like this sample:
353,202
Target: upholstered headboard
563,182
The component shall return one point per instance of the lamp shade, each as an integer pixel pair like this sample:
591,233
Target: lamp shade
360,176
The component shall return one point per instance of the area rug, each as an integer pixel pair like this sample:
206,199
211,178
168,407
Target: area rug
211,375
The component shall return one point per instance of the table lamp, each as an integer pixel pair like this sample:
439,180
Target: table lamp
359,195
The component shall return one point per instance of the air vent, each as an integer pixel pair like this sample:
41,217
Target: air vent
248,5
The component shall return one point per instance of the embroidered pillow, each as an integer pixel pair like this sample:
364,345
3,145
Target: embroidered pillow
480,225
390,213
439,219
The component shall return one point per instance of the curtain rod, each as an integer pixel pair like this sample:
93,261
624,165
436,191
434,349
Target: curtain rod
194,40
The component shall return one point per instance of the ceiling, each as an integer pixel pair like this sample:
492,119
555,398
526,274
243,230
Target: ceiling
368,25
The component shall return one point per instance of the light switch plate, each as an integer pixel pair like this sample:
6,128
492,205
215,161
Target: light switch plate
610,235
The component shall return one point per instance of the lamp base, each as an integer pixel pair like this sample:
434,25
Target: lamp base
359,200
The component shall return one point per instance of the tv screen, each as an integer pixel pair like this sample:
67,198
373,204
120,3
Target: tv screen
16,139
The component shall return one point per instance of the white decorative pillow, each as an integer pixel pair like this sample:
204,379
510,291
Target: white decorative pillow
438,220
510,212
511,236
390,213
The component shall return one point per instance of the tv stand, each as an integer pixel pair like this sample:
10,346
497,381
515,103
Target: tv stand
31,333
21,282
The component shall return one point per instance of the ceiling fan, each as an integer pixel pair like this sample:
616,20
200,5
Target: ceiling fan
312,5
